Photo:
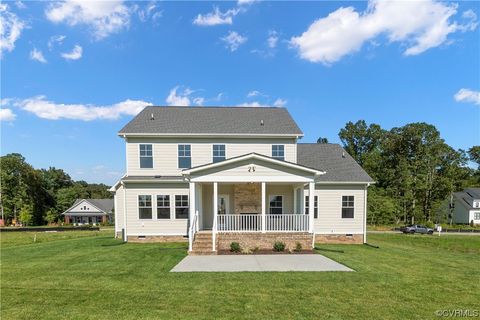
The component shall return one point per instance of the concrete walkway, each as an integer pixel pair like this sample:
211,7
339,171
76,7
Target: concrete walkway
235,263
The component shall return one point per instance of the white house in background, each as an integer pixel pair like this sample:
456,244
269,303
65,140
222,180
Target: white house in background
220,174
89,211
467,206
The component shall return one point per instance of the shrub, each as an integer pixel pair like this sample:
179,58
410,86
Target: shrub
279,246
298,247
256,249
235,247
246,251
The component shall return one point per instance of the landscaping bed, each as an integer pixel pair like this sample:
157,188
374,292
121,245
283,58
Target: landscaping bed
228,252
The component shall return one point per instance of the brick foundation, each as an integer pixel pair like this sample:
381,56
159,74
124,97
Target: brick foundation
151,239
264,241
339,238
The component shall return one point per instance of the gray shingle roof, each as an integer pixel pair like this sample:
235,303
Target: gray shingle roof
106,205
467,196
212,120
328,157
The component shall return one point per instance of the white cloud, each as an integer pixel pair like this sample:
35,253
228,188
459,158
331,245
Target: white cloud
420,25
467,95
103,17
46,109
75,54
234,40
37,55
20,5
56,39
178,99
149,11
199,101
279,103
7,115
272,39
216,17
10,29
245,2
253,93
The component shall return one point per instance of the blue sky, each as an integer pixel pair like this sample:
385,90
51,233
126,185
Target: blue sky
73,73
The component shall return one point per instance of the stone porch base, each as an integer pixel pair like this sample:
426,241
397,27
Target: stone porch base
339,238
264,241
150,239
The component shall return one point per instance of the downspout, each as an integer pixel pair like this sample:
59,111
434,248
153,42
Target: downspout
365,213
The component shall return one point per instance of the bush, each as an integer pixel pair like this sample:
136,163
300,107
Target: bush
298,247
256,249
279,246
235,247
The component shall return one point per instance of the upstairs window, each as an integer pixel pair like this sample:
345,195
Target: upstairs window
276,204
163,207
181,207
278,151
145,207
184,156
315,206
146,156
347,206
218,152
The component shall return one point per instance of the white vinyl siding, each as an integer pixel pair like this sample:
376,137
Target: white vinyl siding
330,219
154,226
165,152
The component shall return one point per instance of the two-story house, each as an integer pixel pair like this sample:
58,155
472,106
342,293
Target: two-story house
223,174
467,206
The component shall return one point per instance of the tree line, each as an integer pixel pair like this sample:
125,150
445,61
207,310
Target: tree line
415,171
39,196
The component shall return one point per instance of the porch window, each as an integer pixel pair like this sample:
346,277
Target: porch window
146,156
218,152
278,151
315,206
163,207
184,156
276,204
347,206
181,207
145,206
476,216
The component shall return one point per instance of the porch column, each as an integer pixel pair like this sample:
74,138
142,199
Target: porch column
295,201
264,211
193,201
311,197
215,213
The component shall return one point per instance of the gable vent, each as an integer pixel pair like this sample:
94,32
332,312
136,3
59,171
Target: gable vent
152,117
262,123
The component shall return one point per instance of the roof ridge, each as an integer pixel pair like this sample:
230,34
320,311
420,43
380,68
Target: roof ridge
203,107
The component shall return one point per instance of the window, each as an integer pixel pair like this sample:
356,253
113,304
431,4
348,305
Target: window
315,206
347,206
146,156
163,207
181,207
278,151
218,152
184,156
145,207
276,204
476,215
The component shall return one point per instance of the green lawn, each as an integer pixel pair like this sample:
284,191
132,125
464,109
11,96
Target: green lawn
97,277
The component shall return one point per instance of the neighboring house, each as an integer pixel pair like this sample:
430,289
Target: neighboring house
223,174
467,206
90,211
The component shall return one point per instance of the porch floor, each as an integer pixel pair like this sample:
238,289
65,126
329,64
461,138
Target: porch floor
262,263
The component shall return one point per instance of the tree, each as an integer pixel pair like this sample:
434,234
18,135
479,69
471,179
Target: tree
51,216
322,140
474,155
26,215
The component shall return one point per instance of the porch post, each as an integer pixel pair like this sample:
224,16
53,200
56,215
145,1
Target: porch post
192,199
295,204
263,207
311,203
215,213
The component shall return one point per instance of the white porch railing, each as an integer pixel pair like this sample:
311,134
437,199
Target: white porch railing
287,222
253,223
239,222
191,231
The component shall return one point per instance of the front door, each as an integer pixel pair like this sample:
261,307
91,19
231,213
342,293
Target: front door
223,204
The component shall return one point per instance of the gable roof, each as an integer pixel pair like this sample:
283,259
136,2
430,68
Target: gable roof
250,156
328,157
105,205
467,196
211,121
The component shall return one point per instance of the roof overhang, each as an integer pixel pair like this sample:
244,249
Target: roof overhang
209,135
252,156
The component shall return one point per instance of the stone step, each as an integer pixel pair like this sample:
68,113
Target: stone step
202,253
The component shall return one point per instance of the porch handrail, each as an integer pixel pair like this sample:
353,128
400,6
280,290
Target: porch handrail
191,230
287,222
253,223
239,222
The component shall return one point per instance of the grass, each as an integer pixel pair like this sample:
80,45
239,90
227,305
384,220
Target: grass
97,277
